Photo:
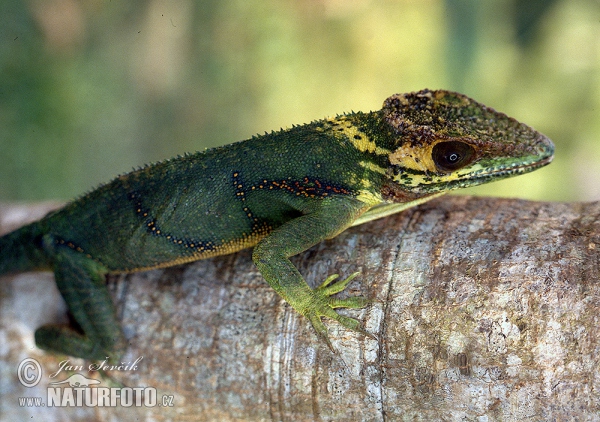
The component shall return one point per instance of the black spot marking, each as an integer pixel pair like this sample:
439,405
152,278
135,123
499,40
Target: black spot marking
153,228
309,187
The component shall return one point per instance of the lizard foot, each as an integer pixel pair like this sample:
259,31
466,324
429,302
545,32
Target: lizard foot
323,292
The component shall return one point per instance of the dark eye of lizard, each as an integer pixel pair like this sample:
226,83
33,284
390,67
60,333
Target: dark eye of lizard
452,155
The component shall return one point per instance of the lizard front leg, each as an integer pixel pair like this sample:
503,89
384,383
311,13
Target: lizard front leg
271,255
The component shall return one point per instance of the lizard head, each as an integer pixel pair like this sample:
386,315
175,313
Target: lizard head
445,141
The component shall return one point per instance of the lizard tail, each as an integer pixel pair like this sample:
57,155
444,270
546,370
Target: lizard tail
22,250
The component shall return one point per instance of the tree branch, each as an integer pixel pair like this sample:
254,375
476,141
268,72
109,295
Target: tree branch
482,307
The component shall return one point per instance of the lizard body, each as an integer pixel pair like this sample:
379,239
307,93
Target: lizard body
280,192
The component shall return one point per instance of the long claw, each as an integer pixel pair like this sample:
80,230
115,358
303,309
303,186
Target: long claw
327,281
321,330
336,287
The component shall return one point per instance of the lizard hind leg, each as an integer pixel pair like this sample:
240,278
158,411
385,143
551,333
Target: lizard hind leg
81,282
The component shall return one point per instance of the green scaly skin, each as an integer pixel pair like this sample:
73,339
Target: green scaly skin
280,193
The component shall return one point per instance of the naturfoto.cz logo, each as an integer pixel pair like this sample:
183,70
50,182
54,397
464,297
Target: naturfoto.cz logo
78,390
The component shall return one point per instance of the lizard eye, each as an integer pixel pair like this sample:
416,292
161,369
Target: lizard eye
452,155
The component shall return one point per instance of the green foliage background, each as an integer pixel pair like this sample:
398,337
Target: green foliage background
91,88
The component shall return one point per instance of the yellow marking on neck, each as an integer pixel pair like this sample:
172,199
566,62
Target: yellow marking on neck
359,139
369,197
372,166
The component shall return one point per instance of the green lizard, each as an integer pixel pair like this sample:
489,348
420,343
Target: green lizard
280,193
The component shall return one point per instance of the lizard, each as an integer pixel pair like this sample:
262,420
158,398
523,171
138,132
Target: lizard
279,193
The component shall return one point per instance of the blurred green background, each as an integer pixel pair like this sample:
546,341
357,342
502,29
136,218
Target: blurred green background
92,88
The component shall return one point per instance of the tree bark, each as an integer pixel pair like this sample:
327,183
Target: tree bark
484,309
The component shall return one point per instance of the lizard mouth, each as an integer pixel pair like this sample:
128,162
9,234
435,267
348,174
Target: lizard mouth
482,176
541,153
519,168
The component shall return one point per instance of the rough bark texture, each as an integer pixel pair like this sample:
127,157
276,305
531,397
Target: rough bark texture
485,309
